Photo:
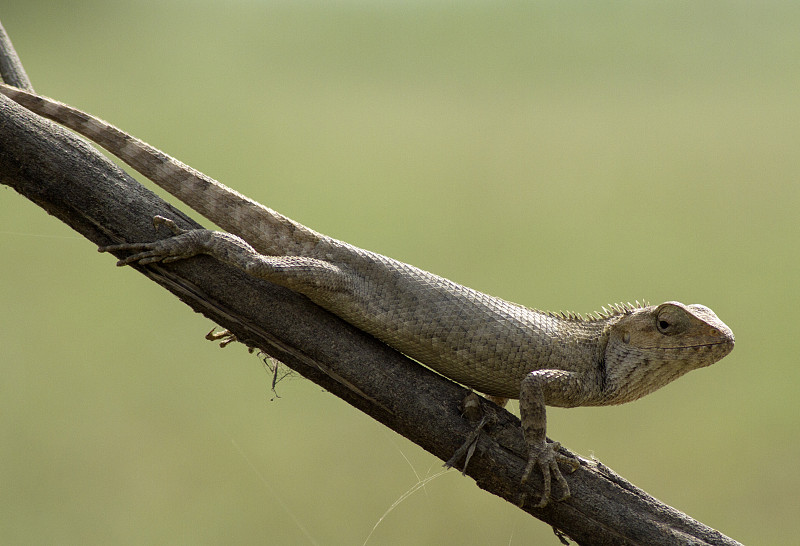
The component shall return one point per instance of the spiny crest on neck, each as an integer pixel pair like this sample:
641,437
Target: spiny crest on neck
613,310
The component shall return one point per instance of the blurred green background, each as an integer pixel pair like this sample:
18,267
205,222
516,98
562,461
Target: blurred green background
563,155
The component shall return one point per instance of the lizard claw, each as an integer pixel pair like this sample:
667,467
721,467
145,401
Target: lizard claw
547,459
159,221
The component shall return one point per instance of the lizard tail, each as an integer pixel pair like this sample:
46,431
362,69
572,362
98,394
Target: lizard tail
266,230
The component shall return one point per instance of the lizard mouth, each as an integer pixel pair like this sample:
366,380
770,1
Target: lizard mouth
698,346
701,345
726,340
716,350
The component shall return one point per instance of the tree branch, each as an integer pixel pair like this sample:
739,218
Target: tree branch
72,181
11,70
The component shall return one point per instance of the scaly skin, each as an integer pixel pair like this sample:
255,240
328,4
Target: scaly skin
499,348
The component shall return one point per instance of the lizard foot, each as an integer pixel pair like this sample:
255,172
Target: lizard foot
184,244
547,458
225,337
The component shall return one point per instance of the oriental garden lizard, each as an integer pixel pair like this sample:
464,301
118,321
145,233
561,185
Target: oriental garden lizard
499,348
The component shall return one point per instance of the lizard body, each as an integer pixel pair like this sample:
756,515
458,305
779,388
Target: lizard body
497,347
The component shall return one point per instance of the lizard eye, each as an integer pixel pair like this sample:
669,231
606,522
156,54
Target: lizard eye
671,319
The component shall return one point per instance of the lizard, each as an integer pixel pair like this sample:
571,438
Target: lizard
499,348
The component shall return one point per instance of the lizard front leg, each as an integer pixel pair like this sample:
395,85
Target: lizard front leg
532,411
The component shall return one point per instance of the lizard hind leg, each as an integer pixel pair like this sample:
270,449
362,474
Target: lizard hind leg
309,276
156,251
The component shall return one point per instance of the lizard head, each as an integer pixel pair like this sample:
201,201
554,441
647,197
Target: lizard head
654,345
